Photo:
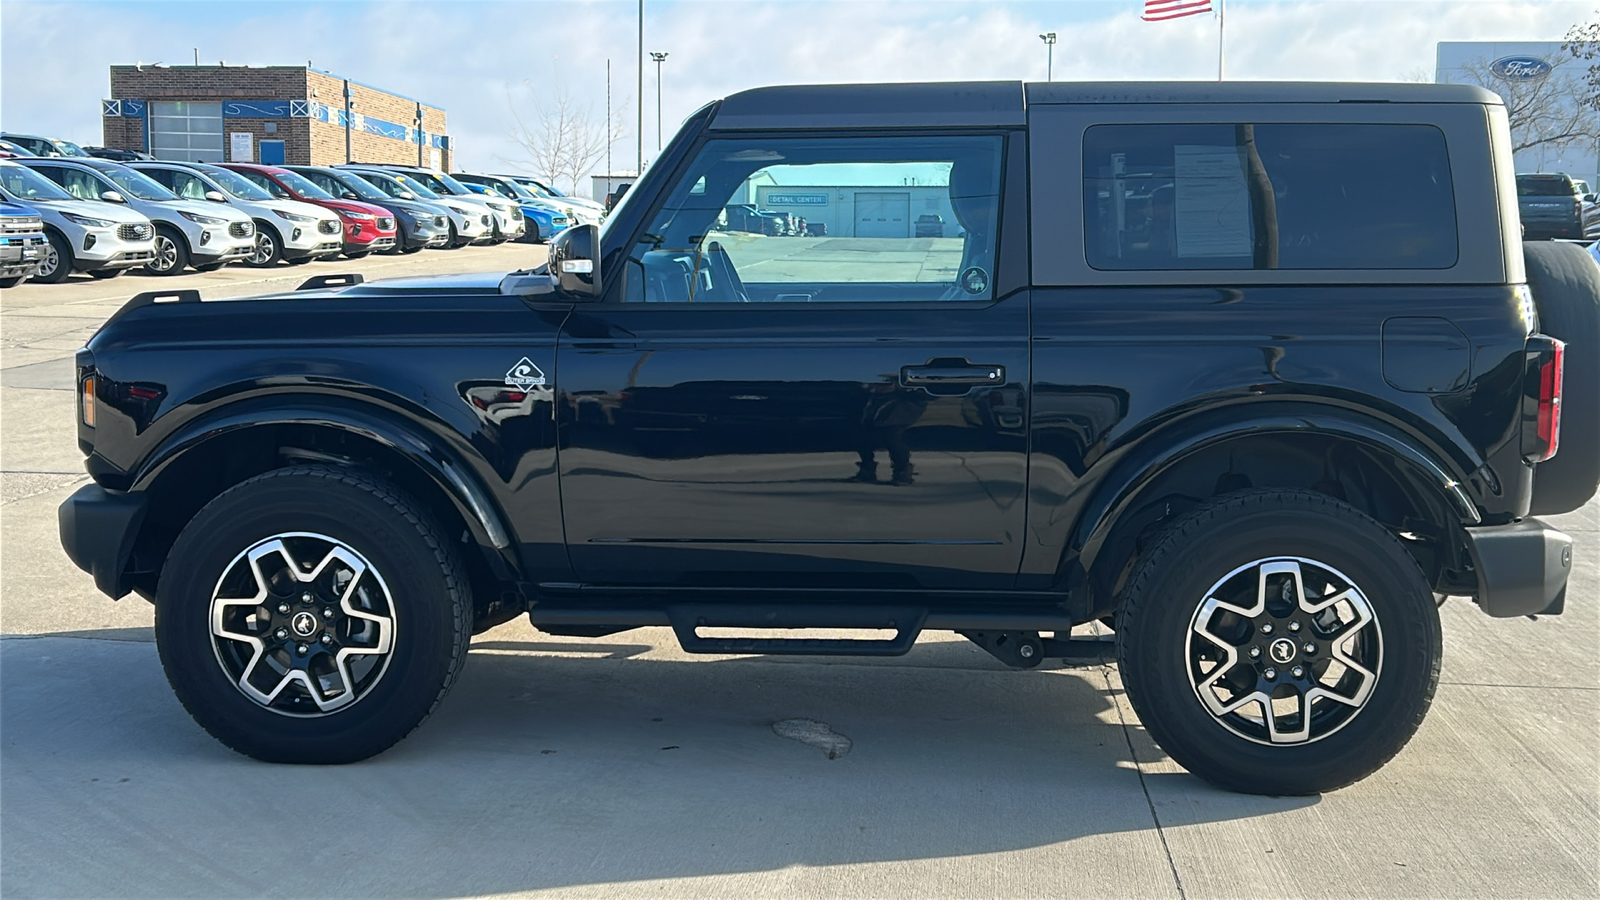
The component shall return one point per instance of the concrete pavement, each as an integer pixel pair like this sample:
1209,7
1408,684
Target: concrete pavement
622,767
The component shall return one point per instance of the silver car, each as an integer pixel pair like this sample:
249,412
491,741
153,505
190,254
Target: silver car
285,229
469,223
205,235
508,221
101,239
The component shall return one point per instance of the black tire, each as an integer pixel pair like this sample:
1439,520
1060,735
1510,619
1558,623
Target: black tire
410,250
420,587
11,281
61,252
269,247
210,267
302,260
1565,282
361,254
1189,564
531,235
106,274
172,252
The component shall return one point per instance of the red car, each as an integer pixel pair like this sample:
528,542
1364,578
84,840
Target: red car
366,227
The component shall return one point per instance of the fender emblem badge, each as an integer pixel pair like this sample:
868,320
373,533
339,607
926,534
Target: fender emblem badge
525,376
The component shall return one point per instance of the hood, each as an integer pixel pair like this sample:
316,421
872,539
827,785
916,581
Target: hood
99,209
298,207
204,208
354,206
418,207
12,209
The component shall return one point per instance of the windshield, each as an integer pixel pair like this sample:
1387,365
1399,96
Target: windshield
138,185
1543,186
517,191
454,186
236,184
394,184
26,184
362,188
536,188
68,148
302,185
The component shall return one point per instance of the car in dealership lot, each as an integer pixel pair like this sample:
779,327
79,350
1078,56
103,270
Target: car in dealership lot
542,219
1555,205
188,232
116,155
9,150
584,211
575,213
22,243
367,228
421,224
39,145
100,239
286,230
469,223
508,222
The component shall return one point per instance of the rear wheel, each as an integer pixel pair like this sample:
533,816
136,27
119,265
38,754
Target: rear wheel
1565,283
1279,642
312,615
57,262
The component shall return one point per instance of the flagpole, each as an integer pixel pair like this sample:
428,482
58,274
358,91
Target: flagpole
1220,5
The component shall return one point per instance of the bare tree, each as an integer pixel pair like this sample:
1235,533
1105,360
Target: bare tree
1583,44
1417,75
1552,111
562,137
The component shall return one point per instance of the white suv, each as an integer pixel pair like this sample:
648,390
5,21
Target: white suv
101,239
285,229
508,221
470,223
205,235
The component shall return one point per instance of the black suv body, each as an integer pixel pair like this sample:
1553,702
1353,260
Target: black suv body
1248,373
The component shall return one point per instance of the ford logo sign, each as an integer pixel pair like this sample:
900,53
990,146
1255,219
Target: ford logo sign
1520,68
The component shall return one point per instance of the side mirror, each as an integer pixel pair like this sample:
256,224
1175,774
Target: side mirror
113,197
349,195
216,197
574,262
1588,198
405,195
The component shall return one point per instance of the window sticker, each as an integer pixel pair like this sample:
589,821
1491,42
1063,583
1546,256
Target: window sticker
1212,203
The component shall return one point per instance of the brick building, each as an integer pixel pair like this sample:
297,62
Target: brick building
291,114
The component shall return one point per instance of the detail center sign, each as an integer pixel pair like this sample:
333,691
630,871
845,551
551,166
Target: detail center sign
797,199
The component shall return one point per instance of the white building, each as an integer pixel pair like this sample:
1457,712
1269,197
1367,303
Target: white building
1521,61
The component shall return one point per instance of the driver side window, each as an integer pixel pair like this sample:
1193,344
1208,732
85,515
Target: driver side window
824,220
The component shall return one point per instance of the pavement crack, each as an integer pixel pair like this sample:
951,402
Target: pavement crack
1127,735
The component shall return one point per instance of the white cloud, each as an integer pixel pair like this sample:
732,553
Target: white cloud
465,56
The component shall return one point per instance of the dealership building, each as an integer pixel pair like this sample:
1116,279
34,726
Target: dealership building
1498,65
269,114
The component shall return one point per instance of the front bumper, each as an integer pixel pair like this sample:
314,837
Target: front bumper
1522,568
21,255
98,530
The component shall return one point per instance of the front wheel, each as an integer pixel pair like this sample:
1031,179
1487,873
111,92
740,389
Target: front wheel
57,262
312,615
268,250
172,254
1279,642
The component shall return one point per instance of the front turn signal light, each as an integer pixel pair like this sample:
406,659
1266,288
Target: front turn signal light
86,401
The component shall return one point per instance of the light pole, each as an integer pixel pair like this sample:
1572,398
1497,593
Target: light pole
659,58
638,98
1049,39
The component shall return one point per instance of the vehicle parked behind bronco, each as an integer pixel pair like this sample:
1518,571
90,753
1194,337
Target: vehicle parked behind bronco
1251,373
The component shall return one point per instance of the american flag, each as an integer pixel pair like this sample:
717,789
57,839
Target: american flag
1162,10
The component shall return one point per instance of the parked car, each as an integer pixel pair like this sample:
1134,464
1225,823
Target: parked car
22,243
585,211
286,230
100,239
367,228
542,219
44,146
116,155
421,224
930,225
469,223
188,232
8,150
1553,206
508,221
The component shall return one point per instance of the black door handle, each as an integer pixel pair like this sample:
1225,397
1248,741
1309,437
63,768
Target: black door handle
940,374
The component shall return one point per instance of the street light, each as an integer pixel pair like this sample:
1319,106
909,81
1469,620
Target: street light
659,58
1049,39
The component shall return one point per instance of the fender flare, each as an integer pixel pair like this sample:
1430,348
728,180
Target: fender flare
446,468
1122,488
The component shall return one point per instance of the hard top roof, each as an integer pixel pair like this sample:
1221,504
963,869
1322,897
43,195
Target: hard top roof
992,103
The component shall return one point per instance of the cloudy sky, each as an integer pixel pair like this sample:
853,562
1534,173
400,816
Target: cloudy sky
473,58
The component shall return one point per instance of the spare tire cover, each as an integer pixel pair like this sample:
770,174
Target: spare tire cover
1565,281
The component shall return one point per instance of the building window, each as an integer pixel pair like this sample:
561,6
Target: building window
186,130
1288,196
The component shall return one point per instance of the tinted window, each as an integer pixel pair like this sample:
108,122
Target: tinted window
265,183
857,219
1544,186
26,184
80,184
1268,197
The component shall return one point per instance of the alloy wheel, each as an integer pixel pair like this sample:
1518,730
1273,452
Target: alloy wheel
302,624
1284,650
166,254
264,251
52,259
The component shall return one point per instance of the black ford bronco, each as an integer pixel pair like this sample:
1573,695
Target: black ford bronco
1253,374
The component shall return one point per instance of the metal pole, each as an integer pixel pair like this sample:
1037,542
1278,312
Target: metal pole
1220,5
1049,39
609,134
347,121
420,163
659,58
638,98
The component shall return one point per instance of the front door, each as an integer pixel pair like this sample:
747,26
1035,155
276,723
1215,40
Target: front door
272,153
802,410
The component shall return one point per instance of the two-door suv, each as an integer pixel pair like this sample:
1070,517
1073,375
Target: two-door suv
1255,374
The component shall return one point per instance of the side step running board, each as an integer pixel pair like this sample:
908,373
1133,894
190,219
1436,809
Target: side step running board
905,621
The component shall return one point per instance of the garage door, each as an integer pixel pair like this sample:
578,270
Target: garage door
883,214
186,131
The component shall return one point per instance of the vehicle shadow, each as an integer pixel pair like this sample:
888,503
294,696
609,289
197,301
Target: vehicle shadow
564,763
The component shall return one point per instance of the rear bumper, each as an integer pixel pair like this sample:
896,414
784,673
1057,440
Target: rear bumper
98,528
1522,568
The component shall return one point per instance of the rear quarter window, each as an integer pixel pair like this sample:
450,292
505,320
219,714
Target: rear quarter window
1268,196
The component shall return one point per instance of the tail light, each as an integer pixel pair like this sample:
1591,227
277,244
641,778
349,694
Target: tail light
1541,423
